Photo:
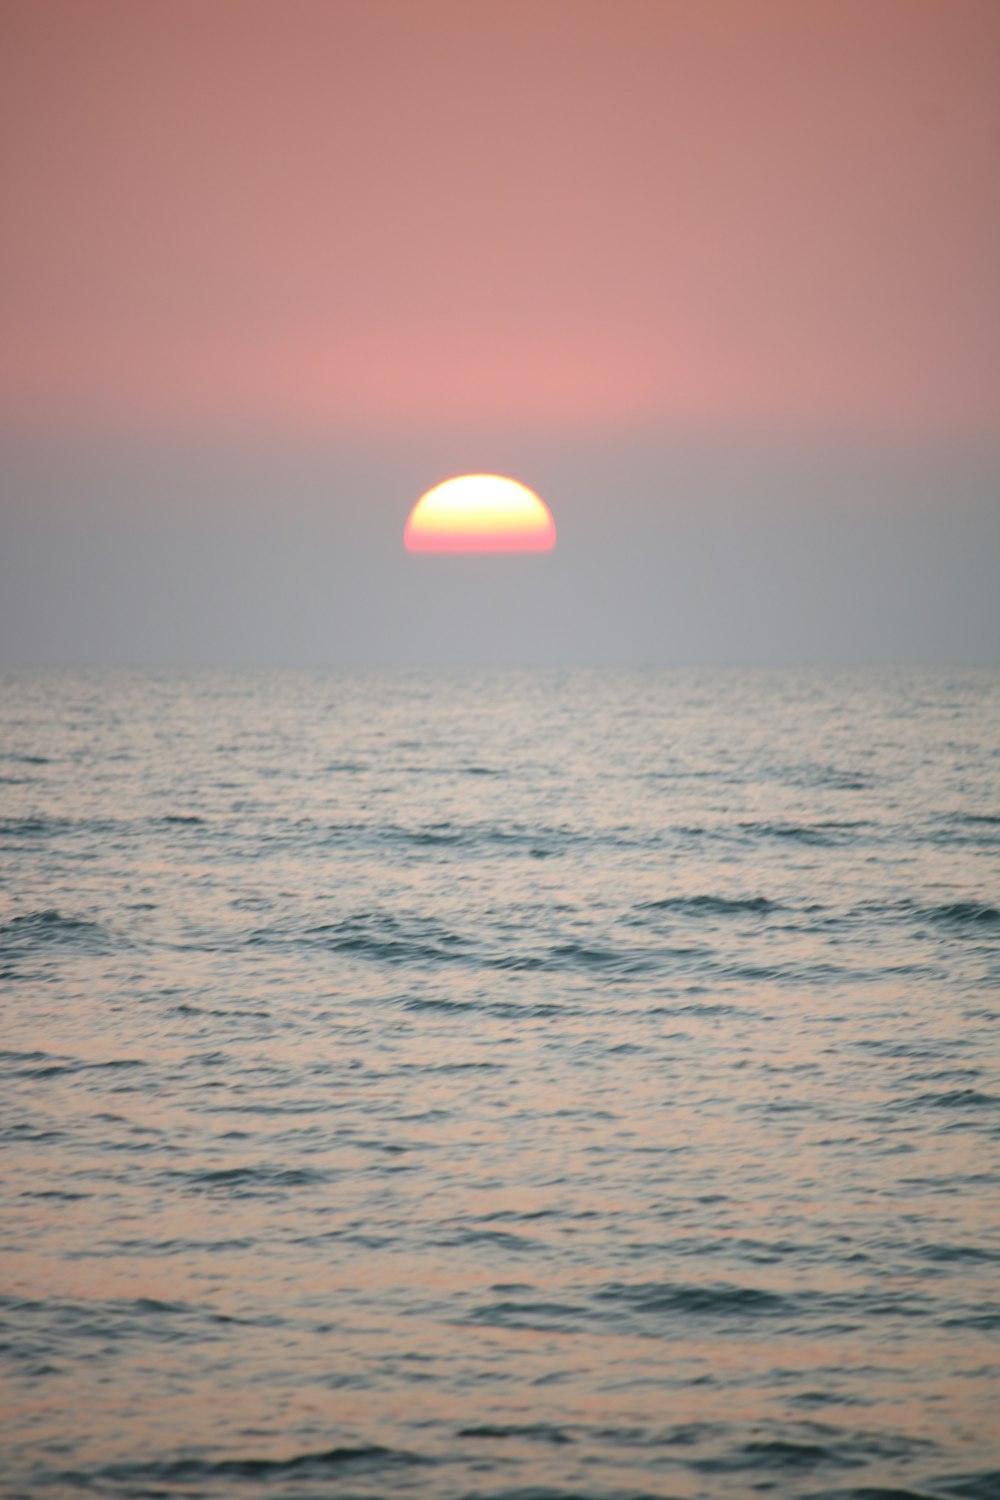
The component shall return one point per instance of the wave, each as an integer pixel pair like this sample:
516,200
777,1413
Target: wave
712,906
329,1461
840,781
536,1432
827,833
253,1181
385,938
33,825
962,914
585,956
49,926
967,913
539,1316
54,1067
719,1300
982,1486
725,1302
537,839
951,1099
965,828
778,1453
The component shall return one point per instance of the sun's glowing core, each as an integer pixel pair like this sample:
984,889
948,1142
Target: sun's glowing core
480,513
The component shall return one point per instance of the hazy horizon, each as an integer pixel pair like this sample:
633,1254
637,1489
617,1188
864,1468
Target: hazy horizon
699,554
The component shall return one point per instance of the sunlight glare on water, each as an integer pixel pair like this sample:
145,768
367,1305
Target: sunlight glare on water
500,1084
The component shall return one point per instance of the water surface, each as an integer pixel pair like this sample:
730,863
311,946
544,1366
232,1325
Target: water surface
500,1085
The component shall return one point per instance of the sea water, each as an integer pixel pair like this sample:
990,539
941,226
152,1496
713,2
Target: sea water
542,1084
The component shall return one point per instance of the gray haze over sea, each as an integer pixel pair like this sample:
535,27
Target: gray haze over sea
535,1084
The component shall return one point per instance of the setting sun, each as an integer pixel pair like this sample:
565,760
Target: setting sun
480,513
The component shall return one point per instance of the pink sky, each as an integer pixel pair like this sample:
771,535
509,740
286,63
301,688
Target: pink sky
401,215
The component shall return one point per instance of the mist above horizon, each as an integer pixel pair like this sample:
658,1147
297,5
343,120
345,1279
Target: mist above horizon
127,555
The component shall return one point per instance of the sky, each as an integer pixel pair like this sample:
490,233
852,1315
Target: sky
717,278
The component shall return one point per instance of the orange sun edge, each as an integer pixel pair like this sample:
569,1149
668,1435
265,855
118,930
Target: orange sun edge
534,539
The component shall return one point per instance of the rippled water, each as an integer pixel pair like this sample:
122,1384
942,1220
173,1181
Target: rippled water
500,1085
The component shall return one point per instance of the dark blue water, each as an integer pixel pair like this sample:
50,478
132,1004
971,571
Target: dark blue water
500,1085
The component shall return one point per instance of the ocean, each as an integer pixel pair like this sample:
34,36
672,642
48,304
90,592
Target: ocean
500,1084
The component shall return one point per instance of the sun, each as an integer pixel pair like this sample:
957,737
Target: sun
480,513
